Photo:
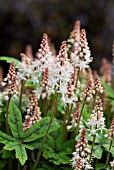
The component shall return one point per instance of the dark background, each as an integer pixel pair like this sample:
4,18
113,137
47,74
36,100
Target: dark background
23,22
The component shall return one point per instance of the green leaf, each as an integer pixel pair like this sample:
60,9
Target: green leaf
63,158
38,130
21,154
66,168
33,145
55,151
108,89
89,138
98,150
8,154
29,83
85,114
9,60
11,146
50,154
2,164
100,166
15,121
106,146
112,102
5,138
20,151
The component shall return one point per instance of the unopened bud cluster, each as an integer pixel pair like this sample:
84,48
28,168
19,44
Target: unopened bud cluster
98,86
78,164
62,57
88,92
33,114
111,131
82,145
44,51
75,115
11,81
82,152
74,37
45,83
70,92
74,76
81,56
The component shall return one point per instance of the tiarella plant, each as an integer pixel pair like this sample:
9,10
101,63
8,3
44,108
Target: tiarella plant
55,112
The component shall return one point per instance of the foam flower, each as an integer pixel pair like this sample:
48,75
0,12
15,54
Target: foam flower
80,157
97,121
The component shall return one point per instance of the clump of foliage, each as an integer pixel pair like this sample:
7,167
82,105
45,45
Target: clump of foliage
56,113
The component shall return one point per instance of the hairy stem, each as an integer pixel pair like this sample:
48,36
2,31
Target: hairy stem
46,134
69,113
65,124
7,108
45,106
108,155
21,93
8,130
76,132
92,148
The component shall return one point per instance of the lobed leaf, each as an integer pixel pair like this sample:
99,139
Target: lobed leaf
55,151
11,146
21,154
8,154
38,130
9,60
100,166
4,138
98,150
15,121
106,146
20,151
32,145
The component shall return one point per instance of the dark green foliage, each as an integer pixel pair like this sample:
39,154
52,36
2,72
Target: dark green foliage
15,121
38,129
108,90
20,137
2,164
101,143
54,149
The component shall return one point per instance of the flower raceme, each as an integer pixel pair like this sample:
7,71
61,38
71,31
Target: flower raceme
75,115
72,42
25,69
60,70
97,121
111,130
106,70
11,81
33,113
88,92
63,73
82,55
80,157
98,86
